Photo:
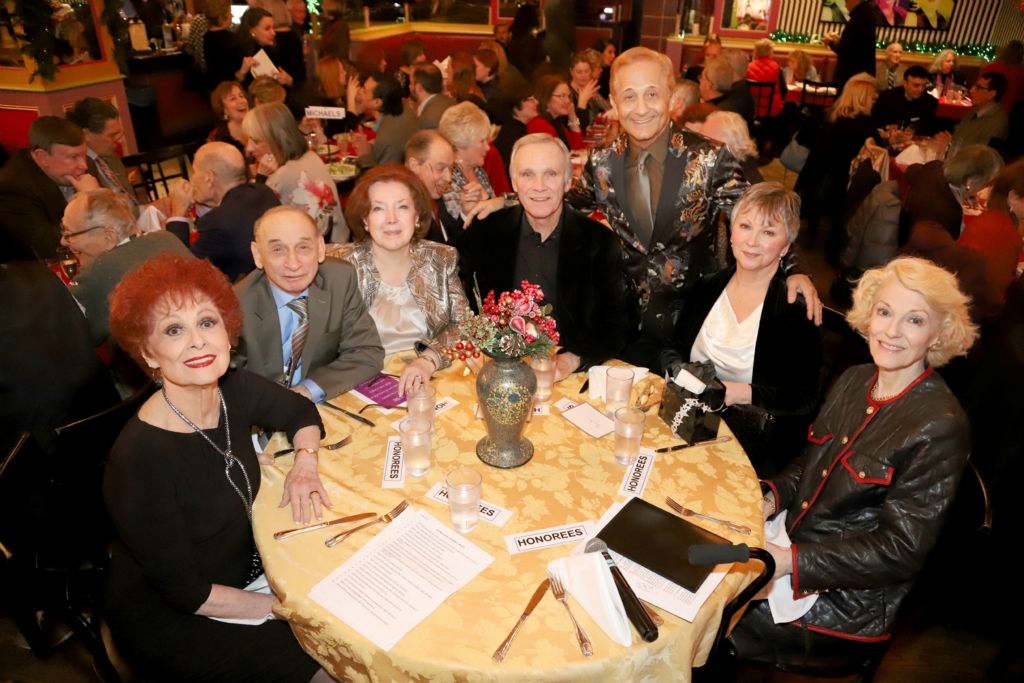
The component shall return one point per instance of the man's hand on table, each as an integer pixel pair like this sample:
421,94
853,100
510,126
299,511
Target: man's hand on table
801,284
302,487
566,364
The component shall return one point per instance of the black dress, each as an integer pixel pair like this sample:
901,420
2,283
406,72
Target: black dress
223,55
184,528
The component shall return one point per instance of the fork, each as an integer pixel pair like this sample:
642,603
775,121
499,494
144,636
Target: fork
687,512
327,446
558,590
385,518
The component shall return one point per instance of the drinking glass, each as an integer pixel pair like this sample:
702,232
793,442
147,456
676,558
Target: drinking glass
617,387
464,497
420,404
629,429
416,445
68,263
544,368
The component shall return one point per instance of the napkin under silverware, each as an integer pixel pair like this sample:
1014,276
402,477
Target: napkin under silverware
587,579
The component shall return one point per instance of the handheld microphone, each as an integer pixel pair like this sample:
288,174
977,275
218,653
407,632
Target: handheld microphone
635,610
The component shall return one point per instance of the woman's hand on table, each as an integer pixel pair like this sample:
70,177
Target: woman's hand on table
302,487
783,560
737,393
566,364
801,284
415,375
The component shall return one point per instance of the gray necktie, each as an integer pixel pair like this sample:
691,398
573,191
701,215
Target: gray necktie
892,77
301,307
645,194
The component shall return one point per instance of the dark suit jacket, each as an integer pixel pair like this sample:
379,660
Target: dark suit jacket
389,145
855,49
787,362
430,117
97,281
32,209
343,348
596,313
892,106
225,232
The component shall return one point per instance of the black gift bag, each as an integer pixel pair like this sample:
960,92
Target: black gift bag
694,417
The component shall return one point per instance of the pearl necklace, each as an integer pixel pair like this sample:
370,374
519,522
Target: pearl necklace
229,458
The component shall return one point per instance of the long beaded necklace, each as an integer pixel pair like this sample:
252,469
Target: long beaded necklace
229,459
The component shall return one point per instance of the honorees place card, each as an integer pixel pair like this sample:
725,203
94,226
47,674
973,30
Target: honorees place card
563,404
635,479
399,577
547,538
443,405
325,112
541,409
394,464
590,420
489,512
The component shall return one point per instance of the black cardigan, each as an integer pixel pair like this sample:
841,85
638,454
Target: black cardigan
787,364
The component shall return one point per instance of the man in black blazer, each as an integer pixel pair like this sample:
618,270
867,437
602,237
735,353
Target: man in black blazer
575,260
907,105
225,231
855,50
35,186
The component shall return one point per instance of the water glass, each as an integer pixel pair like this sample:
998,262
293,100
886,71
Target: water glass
417,435
617,388
464,497
544,368
629,429
420,404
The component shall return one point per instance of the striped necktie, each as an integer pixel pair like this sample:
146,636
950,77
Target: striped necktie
892,77
301,307
112,180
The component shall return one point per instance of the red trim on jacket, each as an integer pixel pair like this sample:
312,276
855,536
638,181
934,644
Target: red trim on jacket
840,634
874,378
812,439
867,480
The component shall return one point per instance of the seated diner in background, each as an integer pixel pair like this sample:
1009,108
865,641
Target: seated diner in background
866,500
409,285
556,112
180,484
230,105
468,129
764,349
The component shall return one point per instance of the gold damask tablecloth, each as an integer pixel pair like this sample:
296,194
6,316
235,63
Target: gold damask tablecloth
571,478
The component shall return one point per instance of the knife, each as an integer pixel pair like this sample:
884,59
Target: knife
717,439
502,650
355,416
322,525
585,386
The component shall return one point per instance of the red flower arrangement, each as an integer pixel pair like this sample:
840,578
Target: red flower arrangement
514,325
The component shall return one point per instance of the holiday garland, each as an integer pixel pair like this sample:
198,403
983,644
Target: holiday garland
985,52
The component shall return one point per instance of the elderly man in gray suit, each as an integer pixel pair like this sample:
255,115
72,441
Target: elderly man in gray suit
99,227
305,324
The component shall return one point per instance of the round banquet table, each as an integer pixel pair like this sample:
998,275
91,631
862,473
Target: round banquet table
571,478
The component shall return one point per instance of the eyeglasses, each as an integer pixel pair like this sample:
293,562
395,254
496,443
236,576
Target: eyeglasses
976,86
64,234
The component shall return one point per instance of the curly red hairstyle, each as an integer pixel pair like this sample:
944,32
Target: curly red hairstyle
168,280
359,201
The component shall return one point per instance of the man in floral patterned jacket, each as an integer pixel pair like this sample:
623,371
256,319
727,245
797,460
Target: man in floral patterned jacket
666,192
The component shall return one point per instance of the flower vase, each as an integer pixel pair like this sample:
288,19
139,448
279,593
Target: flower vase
505,388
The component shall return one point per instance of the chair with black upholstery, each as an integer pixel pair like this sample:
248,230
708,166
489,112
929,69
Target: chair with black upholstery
150,171
763,93
55,530
818,95
842,348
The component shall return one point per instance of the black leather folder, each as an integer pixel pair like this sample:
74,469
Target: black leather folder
658,540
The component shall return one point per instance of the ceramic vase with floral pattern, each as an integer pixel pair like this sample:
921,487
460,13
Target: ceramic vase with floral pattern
505,388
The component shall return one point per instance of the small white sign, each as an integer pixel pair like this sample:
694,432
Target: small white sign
443,405
541,409
548,538
489,512
563,404
325,112
635,479
394,464
590,420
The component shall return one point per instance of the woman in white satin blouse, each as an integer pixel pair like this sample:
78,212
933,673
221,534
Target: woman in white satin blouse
410,285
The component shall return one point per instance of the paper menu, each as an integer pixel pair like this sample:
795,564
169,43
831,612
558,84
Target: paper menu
656,589
590,420
262,66
399,577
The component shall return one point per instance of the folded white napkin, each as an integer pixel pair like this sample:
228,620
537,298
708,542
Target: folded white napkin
780,591
599,373
259,585
151,219
587,579
915,154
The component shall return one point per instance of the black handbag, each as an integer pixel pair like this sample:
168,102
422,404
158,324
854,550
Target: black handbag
694,417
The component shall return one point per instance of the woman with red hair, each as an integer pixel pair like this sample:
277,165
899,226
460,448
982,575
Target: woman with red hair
180,484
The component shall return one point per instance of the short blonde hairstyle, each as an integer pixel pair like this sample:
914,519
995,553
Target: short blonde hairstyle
939,288
763,48
734,134
857,98
642,54
771,201
464,124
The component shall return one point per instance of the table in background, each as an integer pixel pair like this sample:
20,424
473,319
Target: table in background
572,478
